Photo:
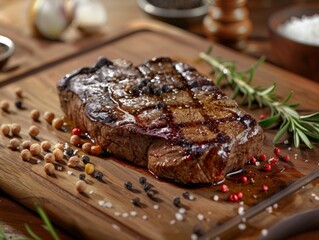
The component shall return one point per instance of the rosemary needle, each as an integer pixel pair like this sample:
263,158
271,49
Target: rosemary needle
304,128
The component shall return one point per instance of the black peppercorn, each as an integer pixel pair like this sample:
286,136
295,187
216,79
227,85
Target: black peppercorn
165,88
98,175
18,104
146,187
177,201
198,231
82,176
186,195
136,201
150,194
85,159
128,185
160,105
142,180
69,152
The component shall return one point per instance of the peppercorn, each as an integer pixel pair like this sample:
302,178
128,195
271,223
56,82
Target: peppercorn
89,168
59,146
58,154
18,104
262,116
73,161
224,188
25,155
96,150
267,167
177,201
80,186
4,104
46,145
160,105
49,168
150,193
5,129
82,176
286,158
57,123
85,159
198,231
49,158
35,114
98,175
69,152
142,180
75,140
35,149
273,160
253,160
128,185
18,92
14,144
233,197
86,147
26,144
277,151
186,195
34,131
48,117
76,131
240,195
146,186
15,129
244,179
264,188
262,157
136,201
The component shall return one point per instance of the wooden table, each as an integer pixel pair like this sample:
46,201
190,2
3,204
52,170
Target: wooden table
12,214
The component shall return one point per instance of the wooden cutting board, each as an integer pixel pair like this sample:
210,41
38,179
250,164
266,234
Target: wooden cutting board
82,215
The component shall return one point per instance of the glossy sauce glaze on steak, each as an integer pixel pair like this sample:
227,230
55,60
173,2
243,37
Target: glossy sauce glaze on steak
163,115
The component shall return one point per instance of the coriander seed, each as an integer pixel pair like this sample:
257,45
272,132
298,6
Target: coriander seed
34,131
49,158
25,155
14,144
26,144
15,129
4,105
35,114
18,92
58,154
57,123
96,150
35,149
46,145
86,147
75,140
80,186
59,146
5,129
49,168
73,161
48,117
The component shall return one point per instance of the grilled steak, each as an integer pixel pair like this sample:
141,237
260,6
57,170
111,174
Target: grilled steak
163,115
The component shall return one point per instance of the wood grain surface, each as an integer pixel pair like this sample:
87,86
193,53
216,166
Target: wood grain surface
81,214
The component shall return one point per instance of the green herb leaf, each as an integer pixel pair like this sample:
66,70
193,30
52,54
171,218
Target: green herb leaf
269,121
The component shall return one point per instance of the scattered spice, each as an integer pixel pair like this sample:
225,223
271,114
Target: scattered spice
240,195
76,131
86,147
224,188
34,131
96,150
26,144
267,167
49,168
82,176
25,155
48,117
128,185
4,105
142,180
73,161
46,145
59,146
179,217
85,159
263,157
35,114
150,194
89,168
177,201
69,152
18,104
57,123
233,197
216,198
49,158
200,217
244,179
277,151
14,144
5,129
98,175
35,149
75,140
80,186
58,154
18,92
273,160
136,201
286,158
15,129
264,188
146,187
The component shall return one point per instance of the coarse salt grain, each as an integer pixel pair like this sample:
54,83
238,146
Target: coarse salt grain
117,214
302,29
179,217
275,205
100,202
38,161
108,205
172,222
313,195
144,217
116,227
125,215
200,217
70,173
216,198
269,209
264,232
182,210
286,142
194,236
191,197
133,213
289,149
243,220
156,206
241,211
317,198
91,192
242,226
257,164
59,168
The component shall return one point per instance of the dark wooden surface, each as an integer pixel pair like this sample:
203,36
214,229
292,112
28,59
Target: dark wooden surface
12,214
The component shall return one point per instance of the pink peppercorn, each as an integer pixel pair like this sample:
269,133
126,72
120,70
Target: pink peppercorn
286,158
263,157
253,160
76,131
233,197
267,167
277,151
244,179
264,188
240,195
262,116
273,160
224,188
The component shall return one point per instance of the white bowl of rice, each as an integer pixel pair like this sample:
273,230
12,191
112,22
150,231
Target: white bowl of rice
294,37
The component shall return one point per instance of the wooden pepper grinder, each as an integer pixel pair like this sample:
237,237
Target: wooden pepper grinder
228,23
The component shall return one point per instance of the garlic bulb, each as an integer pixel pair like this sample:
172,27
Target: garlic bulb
90,15
49,18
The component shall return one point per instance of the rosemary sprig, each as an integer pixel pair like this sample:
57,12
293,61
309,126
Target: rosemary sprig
47,226
303,128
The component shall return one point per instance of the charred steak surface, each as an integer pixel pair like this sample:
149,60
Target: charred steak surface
163,115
